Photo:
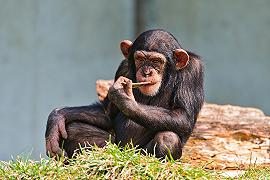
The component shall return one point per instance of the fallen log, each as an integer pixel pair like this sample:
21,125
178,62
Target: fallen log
225,137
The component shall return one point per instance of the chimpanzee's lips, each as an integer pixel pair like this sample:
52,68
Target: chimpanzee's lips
150,83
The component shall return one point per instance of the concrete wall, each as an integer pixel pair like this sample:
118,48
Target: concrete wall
51,54
233,37
53,51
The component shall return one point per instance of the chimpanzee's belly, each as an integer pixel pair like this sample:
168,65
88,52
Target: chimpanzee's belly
127,131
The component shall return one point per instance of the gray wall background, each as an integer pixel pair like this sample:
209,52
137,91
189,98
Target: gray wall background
53,51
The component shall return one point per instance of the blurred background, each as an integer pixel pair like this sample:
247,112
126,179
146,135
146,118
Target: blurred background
53,51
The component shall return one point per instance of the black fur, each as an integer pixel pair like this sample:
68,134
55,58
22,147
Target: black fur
164,121
180,89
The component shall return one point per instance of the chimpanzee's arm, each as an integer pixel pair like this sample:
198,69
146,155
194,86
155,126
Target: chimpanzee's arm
151,117
99,115
93,114
157,118
58,119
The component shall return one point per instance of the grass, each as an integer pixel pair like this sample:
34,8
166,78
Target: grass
112,162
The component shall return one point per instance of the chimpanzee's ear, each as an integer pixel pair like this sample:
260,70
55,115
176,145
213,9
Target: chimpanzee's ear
181,56
124,46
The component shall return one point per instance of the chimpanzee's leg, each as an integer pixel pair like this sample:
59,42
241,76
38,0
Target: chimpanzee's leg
165,143
82,135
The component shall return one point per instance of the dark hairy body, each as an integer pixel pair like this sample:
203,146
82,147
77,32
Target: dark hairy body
158,117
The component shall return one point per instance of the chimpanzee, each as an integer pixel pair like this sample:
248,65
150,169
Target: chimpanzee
158,117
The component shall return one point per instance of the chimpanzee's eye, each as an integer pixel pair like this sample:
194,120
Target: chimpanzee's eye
157,61
140,60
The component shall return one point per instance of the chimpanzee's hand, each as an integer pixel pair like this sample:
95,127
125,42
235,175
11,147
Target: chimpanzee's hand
121,91
54,131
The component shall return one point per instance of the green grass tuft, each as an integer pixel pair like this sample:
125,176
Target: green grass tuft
110,162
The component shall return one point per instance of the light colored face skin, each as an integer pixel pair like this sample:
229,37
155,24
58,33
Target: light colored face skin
149,68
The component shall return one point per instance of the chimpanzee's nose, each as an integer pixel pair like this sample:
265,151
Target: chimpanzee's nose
147,71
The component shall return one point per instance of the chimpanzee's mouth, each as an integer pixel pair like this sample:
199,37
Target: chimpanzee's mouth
147,83
140,84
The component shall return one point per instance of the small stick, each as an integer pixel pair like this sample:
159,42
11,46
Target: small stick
137,85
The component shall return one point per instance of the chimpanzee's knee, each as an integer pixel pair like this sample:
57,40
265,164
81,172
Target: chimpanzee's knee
84,135
166,143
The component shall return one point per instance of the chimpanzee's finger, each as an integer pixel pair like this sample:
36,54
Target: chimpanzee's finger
55,144
128,88
59,152
62,129
119,83
49,151
48,147
123,80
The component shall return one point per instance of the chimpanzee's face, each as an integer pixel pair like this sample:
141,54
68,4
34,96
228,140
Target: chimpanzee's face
150,65
149,68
